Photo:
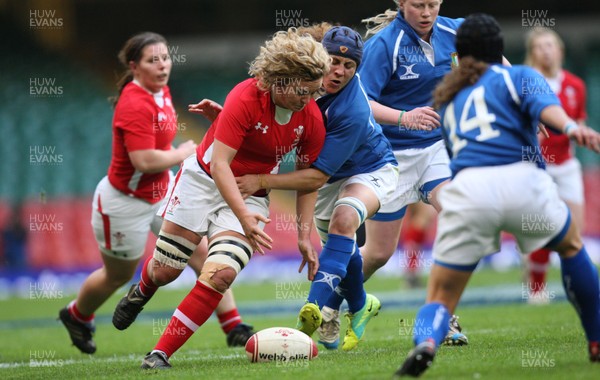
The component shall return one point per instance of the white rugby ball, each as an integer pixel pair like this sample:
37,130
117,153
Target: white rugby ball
282,344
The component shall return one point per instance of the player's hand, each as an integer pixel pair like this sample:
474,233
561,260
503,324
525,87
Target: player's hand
543,131
421,118
248,184
310,257
255,235
186,149
207,108
586,137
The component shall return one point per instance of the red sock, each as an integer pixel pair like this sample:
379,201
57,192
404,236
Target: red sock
412,254
538,266
414,239
229,320
147,286
191,313
415,234
75,313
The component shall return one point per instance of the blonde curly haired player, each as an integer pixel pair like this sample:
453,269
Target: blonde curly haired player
316,30
263,118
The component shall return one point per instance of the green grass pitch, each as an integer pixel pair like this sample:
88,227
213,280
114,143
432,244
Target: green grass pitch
508,340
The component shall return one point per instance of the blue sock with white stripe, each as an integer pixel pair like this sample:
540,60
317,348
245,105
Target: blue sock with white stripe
333,262
431,323
580,280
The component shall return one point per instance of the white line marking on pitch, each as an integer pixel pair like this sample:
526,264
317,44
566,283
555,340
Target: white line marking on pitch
54,362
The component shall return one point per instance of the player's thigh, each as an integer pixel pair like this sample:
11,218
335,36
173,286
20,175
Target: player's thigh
199,256
570,244
421,214
158,218
119,270
175,229
577,214
381,239
432,197
326,198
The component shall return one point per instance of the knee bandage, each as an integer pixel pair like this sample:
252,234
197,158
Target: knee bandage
173,250
356,204
229,250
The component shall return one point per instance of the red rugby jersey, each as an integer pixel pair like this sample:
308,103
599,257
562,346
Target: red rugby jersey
247,124
572,95
141,121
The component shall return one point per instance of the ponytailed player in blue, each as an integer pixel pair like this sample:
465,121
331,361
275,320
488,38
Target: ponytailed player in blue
476,137
356,174
499,184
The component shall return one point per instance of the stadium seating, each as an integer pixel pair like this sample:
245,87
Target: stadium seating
74,130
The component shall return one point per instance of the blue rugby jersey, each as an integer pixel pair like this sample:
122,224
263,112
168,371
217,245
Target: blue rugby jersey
494,122
396,73
354,143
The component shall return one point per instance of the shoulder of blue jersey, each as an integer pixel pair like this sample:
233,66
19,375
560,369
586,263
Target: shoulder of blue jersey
351,104
452,23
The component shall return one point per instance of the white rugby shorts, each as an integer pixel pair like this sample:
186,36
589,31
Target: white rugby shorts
121,222
417,167
196,204
569,179
383,182
479,203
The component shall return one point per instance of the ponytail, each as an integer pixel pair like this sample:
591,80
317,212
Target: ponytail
466,74
132,52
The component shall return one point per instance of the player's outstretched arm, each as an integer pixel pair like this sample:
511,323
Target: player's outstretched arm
310,179
556,117
420,118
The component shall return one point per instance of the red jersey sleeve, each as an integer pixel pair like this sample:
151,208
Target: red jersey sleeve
138,127
573,96
236,119
582,94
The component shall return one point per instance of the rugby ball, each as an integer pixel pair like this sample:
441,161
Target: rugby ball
281,344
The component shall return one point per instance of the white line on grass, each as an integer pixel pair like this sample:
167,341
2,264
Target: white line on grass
188,356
